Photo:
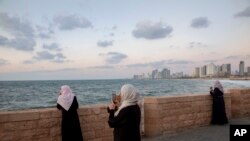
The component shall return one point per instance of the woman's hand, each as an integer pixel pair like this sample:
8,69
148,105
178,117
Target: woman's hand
112,106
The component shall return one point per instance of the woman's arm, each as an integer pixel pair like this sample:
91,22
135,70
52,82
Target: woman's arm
119,120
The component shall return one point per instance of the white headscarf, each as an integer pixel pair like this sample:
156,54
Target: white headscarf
66,98
129,97
218,85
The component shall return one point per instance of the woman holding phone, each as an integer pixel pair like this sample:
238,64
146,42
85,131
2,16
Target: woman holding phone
126,119
218,114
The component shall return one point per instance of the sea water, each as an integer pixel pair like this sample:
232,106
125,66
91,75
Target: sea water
16,95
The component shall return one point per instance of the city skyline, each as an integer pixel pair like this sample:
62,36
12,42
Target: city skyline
82,39
210,70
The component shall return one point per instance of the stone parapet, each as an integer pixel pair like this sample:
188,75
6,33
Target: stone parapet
171,114
45,124
162,115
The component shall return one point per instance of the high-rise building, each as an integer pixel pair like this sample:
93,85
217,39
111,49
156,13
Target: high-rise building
248,71
165,73
225,70
211,70
196,72
203,71
241,68
154,74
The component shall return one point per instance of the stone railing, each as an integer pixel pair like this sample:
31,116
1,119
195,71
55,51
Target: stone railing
162,115
44,124
168,115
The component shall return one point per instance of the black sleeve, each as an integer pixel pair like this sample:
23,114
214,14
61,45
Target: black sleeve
59,107
216,92
212,92
75,104
117,121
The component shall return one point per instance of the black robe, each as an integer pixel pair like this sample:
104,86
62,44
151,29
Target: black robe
218,114
126,124
70,127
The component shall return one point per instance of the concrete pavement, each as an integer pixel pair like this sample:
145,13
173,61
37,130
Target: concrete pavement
206,133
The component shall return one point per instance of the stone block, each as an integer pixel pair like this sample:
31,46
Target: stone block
56,114
21,125
45,114
55,131
88,135
4,117
107,138
23,116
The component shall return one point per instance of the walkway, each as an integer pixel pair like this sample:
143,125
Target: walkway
206,133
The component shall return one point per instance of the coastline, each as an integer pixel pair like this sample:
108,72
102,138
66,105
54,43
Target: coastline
161,115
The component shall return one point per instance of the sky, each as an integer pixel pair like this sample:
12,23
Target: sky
111,39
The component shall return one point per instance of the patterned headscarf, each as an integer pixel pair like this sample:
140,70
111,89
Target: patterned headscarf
129,96
218,85
66,98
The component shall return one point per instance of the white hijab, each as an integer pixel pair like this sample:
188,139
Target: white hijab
129,97
218,85
66,98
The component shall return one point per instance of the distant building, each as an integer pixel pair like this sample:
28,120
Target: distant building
225,70
241,68
248,71
196,72
165,74
211,70
203,71
177,75
154,74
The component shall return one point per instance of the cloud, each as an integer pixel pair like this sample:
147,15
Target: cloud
52,46
149,30
200,22
101,67
196,44
58,70
3,62
45,55
210,61
16,26
28,62
112,34
244,13
43,32
114,57
161,63
71,21
105,43
24,44
231,57
114,27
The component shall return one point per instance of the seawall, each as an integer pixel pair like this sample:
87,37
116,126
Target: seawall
162,115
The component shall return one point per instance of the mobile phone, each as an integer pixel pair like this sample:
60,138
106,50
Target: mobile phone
114,98
211,88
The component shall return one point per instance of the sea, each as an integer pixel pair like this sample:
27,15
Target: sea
19,95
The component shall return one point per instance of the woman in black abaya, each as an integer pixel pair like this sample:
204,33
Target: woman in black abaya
218,114
126,119
70,126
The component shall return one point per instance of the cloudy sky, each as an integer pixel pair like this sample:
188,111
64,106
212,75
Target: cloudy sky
99,39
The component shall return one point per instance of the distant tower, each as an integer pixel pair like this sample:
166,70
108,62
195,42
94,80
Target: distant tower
154,74
248,71
241,68
203,72
196,72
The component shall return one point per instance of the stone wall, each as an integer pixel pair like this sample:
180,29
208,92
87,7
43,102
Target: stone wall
168,115
44,124
240,101
162,115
